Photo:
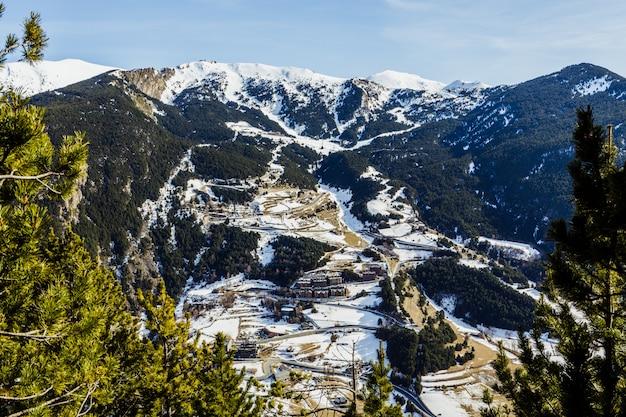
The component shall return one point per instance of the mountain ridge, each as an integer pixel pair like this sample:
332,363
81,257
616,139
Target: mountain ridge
489,161
50,75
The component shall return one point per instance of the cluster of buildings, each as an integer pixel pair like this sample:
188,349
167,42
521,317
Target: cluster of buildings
320,284
326,284
374,271
246,349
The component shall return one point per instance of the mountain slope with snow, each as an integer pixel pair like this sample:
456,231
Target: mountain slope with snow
315,105
31,79
347,110
395,80
469,155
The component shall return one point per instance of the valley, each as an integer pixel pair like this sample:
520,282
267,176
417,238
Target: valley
309,217
310,341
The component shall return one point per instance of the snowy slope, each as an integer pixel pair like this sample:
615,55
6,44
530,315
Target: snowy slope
230,78
47,75
394,80
301,101
460,85
306,103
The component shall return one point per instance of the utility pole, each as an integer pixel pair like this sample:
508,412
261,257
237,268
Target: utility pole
353,373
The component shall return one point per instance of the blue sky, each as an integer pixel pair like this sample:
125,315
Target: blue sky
494,41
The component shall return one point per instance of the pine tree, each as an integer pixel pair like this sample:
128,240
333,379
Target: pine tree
225,392
491,409
378,388
584,306
61,314
63,318
68,344
32,43
167,378
179,376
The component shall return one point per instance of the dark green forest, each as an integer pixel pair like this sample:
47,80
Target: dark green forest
432,349
480,297
293,256
239,160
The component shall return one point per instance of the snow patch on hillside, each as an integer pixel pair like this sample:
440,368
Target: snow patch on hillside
592,86
154,210
31,79
343,197
513,250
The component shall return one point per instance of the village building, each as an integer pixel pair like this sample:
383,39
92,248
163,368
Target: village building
246,350
374,270
320,284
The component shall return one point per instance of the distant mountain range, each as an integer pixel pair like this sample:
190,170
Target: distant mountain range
473,160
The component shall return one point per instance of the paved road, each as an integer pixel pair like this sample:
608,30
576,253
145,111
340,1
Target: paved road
269,362
415,399
267,372
314,331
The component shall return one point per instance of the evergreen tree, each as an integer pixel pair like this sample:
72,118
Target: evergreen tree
68,344
176,375
378,388
63,319
584,305
225,392
32,43
491,409
167,383
62,316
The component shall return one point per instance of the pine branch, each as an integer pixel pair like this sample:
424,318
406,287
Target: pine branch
37,178
82,410
28,177
60,400
30,397
32,335
8,49
33,43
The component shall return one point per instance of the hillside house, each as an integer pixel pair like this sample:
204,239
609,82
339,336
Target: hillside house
246,350
320,284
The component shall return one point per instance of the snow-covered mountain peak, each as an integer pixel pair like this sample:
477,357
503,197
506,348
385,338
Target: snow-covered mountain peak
460,85
300,101
293,74
306,103
31,79
231,77
394,80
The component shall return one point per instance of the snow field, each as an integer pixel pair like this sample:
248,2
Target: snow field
330,315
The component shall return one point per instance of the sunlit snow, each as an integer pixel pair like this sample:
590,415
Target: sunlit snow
402,80
514,250
31,79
